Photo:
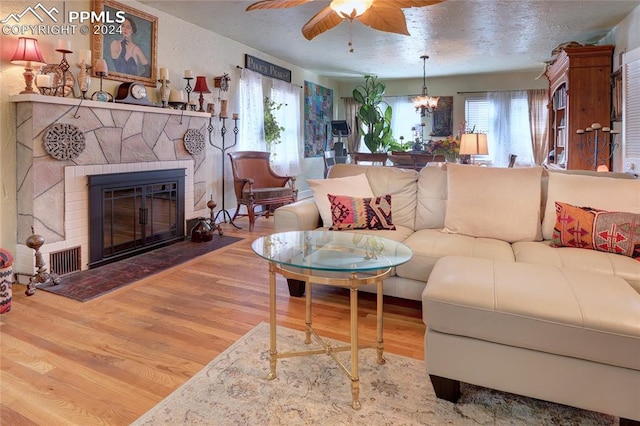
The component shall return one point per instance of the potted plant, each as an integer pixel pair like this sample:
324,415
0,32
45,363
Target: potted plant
374,122
272,129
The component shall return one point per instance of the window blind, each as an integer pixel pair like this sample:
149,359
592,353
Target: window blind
631,111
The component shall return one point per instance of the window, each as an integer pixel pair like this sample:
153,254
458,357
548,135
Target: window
504,116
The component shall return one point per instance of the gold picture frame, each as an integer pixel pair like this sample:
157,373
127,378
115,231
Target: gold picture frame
141,46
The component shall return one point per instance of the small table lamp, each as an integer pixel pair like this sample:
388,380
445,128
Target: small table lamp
27,53
201,87
474,144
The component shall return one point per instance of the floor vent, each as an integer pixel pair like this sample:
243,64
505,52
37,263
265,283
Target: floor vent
65,261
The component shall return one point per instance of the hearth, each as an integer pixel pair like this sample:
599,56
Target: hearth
134,212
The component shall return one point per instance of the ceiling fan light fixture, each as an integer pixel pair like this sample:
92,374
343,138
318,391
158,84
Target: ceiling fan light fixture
350,9
424,103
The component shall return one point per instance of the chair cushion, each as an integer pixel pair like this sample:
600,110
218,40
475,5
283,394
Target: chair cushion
260,194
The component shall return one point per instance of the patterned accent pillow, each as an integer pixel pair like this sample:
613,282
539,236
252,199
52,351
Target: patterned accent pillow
585,227
360,213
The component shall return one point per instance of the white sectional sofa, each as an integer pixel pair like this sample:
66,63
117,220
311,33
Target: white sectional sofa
503,308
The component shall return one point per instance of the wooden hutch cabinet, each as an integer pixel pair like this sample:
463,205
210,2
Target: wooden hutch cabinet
579,95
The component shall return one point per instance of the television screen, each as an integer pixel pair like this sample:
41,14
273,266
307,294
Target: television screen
340,127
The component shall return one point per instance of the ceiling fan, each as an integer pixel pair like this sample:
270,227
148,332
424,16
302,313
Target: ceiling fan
381,15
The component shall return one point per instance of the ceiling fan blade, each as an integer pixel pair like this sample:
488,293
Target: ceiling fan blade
409,3
276,4
322,21
386,18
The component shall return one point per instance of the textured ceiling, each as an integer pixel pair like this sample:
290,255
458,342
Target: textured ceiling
460,36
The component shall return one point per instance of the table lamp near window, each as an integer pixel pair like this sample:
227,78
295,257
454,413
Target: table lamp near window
27,53
474,144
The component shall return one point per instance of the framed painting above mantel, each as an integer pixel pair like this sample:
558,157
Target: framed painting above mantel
129,46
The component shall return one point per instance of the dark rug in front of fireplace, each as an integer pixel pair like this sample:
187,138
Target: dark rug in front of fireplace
89,284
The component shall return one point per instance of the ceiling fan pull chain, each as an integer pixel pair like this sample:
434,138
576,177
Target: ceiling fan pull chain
350,36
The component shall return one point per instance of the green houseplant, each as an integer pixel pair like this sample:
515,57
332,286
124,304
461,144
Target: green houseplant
374,122
272,129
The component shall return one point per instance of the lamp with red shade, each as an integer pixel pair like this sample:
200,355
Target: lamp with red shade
201,87
26,54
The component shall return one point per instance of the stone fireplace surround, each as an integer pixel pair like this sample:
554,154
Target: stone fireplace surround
52,195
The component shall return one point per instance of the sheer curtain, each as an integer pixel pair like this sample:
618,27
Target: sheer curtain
350,109
403,118
509,129
539,116
286,154
251,112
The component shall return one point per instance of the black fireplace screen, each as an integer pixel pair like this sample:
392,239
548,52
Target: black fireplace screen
134,212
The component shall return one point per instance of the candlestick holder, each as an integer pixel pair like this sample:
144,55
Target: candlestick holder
101,95
188,88
164,92
597,148
223,149
66,82
84,78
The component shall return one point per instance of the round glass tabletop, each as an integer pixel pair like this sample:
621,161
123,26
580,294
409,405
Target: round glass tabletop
332,250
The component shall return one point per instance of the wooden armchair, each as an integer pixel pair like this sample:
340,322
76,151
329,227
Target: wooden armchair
256,184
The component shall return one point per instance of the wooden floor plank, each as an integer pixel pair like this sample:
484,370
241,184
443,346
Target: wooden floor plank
109,360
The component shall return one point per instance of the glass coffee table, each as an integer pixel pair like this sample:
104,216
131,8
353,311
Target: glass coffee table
334,258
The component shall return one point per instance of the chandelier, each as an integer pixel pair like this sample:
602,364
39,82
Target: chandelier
424,103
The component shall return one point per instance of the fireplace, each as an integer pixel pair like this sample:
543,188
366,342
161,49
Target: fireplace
134,212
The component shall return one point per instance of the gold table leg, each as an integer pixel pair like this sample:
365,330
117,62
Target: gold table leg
355,378
307,327
379,318
273,353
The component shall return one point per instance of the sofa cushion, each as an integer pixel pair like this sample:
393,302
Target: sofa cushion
354,186
587,260
492,202
562,311
587,228
401,184
432,197
602,193
360,213
429,245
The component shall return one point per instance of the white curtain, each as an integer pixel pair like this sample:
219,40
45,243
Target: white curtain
404,117
286,154
251,102
509,130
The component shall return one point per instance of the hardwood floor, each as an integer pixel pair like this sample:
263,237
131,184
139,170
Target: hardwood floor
109,360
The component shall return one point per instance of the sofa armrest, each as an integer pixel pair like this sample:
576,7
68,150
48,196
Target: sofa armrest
302,215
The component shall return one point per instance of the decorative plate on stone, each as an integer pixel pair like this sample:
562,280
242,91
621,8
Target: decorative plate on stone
64,141
194,141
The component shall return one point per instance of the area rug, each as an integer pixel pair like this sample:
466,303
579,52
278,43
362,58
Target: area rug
89,284
233,390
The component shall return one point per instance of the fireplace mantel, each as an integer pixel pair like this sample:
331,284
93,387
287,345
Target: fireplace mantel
52,194
86,103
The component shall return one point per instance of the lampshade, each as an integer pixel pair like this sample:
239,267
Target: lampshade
27,51
474,144
201,85
349,9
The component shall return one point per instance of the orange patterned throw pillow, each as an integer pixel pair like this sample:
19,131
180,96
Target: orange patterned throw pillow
585,227
360,213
